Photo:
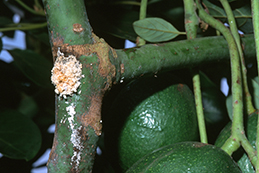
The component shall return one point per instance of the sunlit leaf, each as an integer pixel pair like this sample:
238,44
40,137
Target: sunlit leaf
33,65
155,29
20,137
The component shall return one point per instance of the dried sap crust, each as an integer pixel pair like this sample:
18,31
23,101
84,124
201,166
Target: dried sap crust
66,74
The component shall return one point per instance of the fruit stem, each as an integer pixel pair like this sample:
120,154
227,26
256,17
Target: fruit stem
237,102
199,107
39,12
251,152
142,15
255,16
23,26
230,146
249,106
233,27
191,24
191,20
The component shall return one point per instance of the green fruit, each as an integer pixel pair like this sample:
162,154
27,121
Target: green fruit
186,157
149,113
240,156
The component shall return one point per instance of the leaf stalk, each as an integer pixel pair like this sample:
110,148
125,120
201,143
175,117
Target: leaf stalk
41,12
142,15
24,26
233,28
191,24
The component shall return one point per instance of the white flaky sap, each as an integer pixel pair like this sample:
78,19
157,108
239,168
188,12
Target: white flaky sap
66,74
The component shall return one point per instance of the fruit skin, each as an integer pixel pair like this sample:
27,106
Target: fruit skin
182,157
240,155
148,114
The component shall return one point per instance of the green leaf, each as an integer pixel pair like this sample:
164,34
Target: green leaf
28,106
5,21
40,36
242,14
247,28
20,137
229,106
155,29
33,65
171,12
122,27
116,20
255,97
214,107
213,101
254,93
215,10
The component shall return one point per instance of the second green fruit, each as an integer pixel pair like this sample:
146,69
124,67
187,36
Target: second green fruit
149,113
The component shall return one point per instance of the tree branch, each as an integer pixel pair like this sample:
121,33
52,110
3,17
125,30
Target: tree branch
153,58
78,114
81,74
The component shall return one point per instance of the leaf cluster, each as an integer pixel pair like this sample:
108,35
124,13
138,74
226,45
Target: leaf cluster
27,98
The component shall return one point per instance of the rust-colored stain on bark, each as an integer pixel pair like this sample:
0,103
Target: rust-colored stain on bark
76,50
83,134
100,47
188,21
57,42
77,27
106,70
93,116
